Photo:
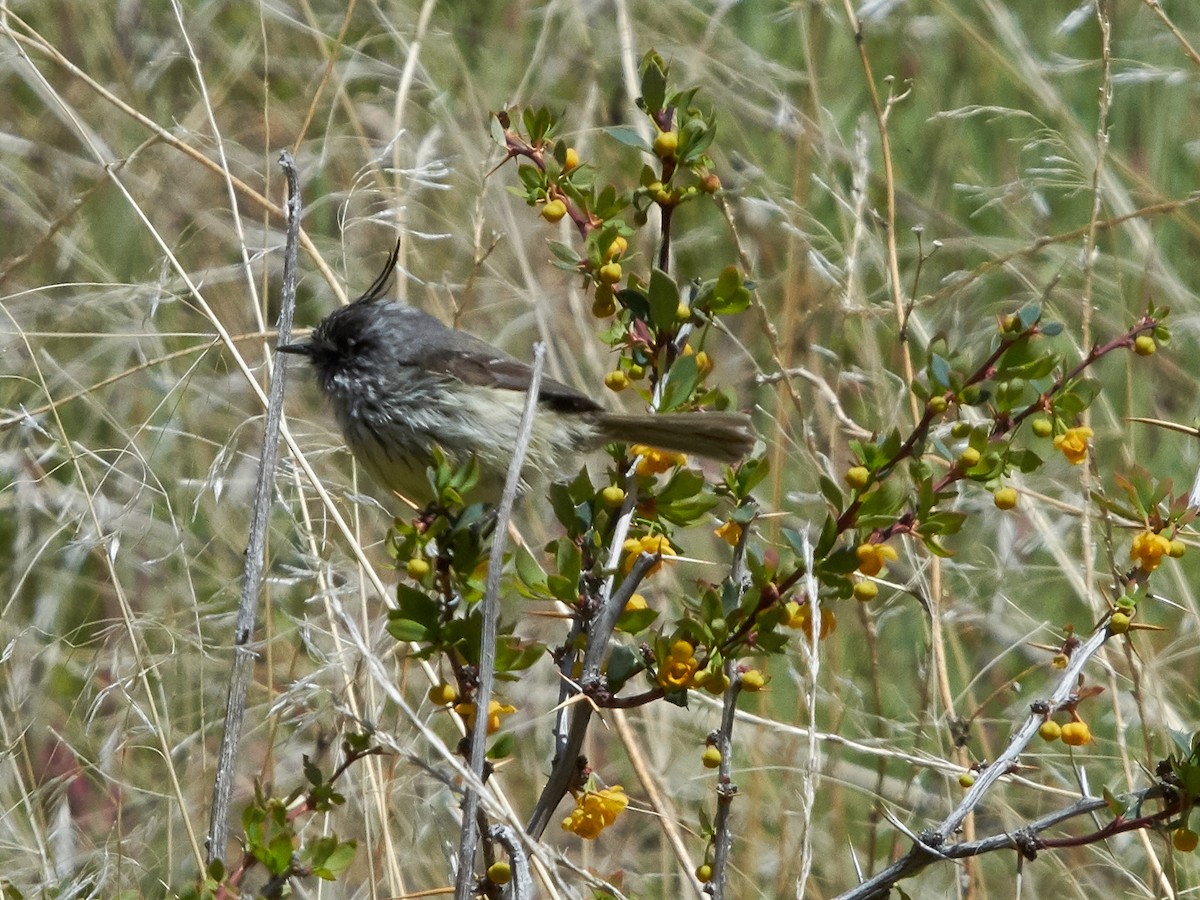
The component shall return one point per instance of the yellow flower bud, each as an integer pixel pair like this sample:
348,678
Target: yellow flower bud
865,591
612,496
858,477
1050,731
752,680
616,380
1005,498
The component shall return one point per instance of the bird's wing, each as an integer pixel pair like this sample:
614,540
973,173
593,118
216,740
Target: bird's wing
494,369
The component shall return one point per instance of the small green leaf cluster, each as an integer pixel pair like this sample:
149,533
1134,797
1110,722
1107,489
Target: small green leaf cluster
1018,379
444,554
271,834
649,315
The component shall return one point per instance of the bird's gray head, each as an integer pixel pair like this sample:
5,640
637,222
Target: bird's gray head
368,340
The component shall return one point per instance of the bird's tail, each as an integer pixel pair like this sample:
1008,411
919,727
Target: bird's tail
723,436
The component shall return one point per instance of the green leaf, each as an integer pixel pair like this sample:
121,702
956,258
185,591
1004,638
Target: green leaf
745,514
532,177
1116,805
1038,367
728,294
683,485
414,604
564,589
939,372
687,512
1025,461
941,523
880,506
312,771
514,656
503,746
567,560
750,474
564,253
794,539
339,860
696,136
654,83
623,664
629,137
841,562
935,548
529,570
685,375
409,631
564,507
829,534
497,131
1029,315
634,621
1182,740
633,300
677,698
663,295
832,492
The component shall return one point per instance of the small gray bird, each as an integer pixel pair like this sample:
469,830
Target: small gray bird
400,382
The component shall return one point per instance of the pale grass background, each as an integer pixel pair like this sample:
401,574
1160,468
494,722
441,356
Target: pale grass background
131,434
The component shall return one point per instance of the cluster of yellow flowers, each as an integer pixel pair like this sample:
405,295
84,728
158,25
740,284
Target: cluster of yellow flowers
1149,549
873,557
595,810
679,669
496,709
654,544
800,616
655,461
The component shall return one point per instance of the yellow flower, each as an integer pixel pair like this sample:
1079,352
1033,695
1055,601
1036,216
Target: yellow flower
595,810
496,709
1073,444
654,544
679,669
1076,734
655,461
753,680
873,557
800,616
1149,549
730,533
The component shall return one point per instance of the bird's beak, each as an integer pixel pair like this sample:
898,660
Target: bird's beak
298,349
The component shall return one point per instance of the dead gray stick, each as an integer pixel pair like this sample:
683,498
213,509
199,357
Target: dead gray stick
565,769
726,789
464,882
931,845
243,631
